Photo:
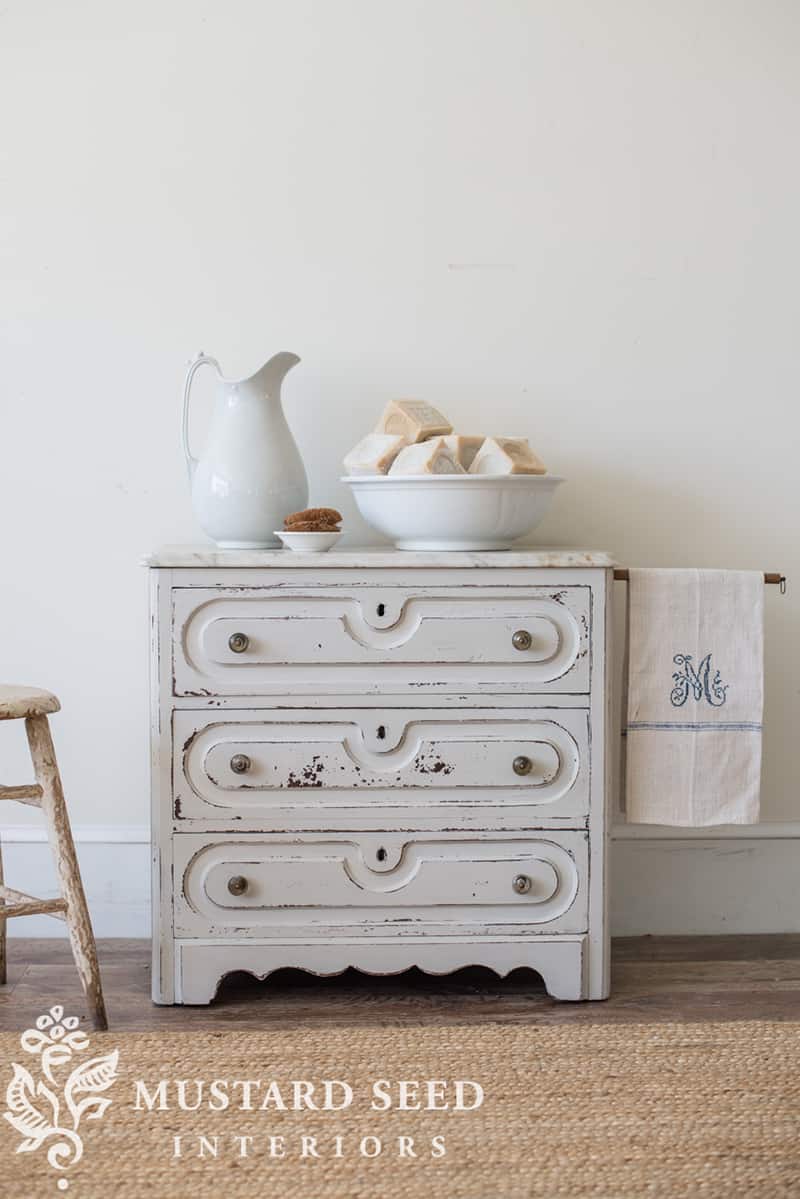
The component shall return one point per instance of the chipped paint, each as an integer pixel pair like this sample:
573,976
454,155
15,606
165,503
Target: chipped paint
309,776
430,763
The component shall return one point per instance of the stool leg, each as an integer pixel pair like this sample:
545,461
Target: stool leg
59,834
3,922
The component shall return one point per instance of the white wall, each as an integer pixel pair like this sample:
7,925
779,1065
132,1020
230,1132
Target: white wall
575,221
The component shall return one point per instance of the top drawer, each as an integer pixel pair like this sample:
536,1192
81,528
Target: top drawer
364,640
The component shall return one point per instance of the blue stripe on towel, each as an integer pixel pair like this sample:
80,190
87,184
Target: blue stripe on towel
734,726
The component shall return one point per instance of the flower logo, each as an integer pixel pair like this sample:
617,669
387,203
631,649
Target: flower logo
41,1113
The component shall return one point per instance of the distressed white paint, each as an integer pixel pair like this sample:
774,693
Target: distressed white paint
47,795
324,886
562,961
17,702
376,634
448,781
377,767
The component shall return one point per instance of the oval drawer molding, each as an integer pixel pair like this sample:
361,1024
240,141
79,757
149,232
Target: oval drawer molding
365,759
330,883
330,640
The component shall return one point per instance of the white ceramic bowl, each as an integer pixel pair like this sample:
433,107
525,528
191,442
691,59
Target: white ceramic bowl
453,512
309,542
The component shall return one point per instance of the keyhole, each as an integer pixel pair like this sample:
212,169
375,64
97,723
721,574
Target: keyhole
381,732
381,854
381,609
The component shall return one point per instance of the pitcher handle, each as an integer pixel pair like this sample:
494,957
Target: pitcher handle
201,360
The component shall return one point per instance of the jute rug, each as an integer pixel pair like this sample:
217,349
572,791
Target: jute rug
609,1110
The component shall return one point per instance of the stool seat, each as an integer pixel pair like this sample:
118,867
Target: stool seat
17,703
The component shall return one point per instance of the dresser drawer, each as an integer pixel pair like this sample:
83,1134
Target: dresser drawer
384,883
380,640
253,765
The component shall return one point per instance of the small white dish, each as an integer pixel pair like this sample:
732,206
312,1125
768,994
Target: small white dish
316,543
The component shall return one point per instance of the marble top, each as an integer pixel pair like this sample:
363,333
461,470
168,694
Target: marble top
372,556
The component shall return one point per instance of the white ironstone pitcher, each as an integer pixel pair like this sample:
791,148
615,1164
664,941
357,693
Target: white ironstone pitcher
251,474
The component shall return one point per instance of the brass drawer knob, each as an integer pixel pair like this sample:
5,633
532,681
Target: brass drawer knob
522,639
522,884
237,885
238,642
240,763
522,765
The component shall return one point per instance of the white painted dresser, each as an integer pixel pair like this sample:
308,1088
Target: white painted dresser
379,759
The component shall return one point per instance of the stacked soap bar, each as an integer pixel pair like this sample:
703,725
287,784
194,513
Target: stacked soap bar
506,456
413,438
464,448
374,454
413,419
432,457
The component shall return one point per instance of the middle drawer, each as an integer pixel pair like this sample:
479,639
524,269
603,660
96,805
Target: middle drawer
262,766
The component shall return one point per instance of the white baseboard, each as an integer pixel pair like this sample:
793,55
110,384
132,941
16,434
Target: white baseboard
740,879
115,867
91,834
664,880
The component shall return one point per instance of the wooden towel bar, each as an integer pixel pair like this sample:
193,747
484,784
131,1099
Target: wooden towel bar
770,576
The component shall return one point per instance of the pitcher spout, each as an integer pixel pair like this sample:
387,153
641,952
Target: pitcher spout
272,373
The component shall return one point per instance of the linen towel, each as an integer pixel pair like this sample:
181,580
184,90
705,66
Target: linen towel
695,697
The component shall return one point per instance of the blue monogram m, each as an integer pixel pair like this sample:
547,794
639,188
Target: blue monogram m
697,682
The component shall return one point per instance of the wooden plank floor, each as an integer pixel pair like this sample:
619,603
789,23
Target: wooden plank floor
653,979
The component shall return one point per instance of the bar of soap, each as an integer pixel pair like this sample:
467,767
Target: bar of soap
506,456
427,458
374,454
414,419
464,448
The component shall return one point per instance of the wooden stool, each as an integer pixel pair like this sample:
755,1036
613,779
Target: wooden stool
32,706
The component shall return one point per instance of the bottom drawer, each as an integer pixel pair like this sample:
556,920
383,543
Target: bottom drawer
256,886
